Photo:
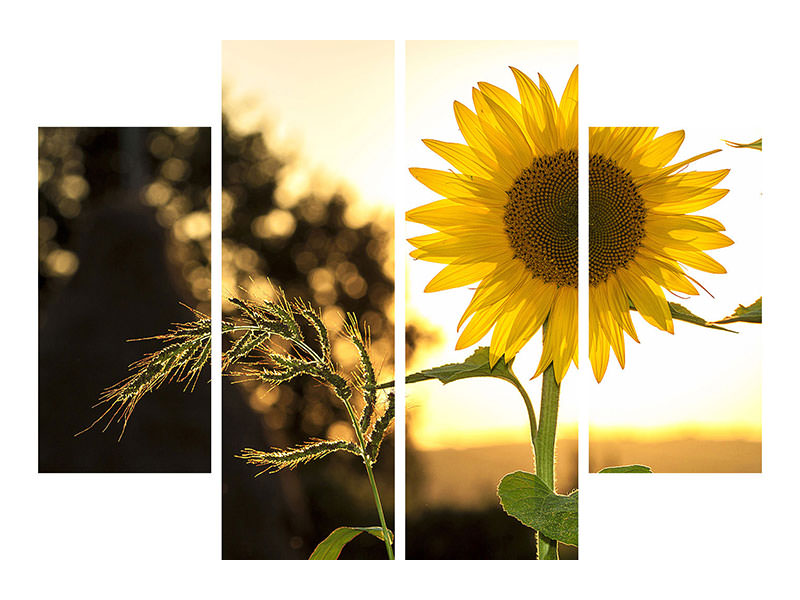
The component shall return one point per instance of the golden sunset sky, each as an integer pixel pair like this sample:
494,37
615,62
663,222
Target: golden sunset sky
330,103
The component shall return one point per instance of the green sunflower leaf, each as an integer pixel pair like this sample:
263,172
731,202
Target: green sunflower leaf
530,500
477,365
681,313
745,314
627,469
753,145
331,547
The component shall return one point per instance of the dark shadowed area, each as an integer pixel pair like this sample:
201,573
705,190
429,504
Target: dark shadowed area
310,248
124,229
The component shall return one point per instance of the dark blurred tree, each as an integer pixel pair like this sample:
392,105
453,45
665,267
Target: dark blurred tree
123,238
309,248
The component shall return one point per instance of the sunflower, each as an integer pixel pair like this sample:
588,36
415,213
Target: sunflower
640,235
509,220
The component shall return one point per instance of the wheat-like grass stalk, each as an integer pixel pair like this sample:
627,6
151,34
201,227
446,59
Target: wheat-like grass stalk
380,428
364,378
288,458
257,353
269,345
187,351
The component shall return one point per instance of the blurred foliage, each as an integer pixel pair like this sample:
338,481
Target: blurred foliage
84,168
315,251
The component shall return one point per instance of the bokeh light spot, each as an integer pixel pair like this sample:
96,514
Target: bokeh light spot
157,194
74,187
46,170
47,229
246,259
194,226
175,169
161,146
276,224
69,208
62,263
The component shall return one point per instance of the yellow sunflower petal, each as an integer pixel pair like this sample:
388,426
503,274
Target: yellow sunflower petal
696,260
453,276
667,274
502,146
598,349
561,338
498,95
505,328
479,325
540,124
512,132
568,107
501,283
532,316
662,150
608,325
619,305
463,157
446,213
648,299
470,127
698,202
457,184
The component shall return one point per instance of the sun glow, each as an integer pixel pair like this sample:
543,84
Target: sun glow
316,106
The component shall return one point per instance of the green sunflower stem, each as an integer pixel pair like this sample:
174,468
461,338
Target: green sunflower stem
386,540
368,466
544,445
528,405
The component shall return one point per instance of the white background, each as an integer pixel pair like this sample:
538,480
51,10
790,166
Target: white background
158,63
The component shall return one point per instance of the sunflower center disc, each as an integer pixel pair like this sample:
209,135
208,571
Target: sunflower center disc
542,218
616,218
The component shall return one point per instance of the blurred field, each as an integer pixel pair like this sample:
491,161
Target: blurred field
453,509
468,478
683,455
